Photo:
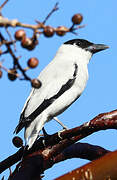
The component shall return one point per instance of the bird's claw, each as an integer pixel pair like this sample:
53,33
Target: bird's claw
59,133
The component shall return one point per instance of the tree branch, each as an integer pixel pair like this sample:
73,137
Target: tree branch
30,43
81,150
102,121
11,160
4,3
34,165
15,59
51,12
55,145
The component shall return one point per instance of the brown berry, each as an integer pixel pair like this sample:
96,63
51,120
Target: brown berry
36,83
77,18
28,43
1,74
12,74
17,141
48,31
20,34
61,30
33,62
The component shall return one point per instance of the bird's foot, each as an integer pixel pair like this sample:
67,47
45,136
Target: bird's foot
59,133
58,121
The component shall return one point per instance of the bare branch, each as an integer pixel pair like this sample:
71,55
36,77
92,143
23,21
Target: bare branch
30,43
33,166
100,122
9,34
51,12
4,3
81,150
11,160
55,145
16,62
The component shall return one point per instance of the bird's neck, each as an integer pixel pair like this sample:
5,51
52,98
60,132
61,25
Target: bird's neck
72,53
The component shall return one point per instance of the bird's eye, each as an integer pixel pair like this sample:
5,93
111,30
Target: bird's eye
79,43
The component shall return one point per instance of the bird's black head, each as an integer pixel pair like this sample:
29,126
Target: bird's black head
88,46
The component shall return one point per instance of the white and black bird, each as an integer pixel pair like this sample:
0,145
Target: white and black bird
63,81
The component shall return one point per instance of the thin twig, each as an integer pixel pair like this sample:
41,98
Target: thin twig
4,3
9,34
16,62
51,12
4,52
72,29
9,71
7,42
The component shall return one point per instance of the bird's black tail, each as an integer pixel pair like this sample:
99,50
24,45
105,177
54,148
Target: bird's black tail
19,128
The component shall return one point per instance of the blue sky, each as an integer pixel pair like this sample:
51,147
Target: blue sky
101,91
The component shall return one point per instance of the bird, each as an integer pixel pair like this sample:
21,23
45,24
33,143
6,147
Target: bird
62,82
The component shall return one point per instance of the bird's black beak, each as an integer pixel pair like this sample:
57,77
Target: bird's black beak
94,48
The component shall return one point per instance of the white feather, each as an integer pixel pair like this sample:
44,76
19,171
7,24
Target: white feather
53,77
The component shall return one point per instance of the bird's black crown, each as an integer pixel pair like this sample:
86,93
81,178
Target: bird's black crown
79,42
